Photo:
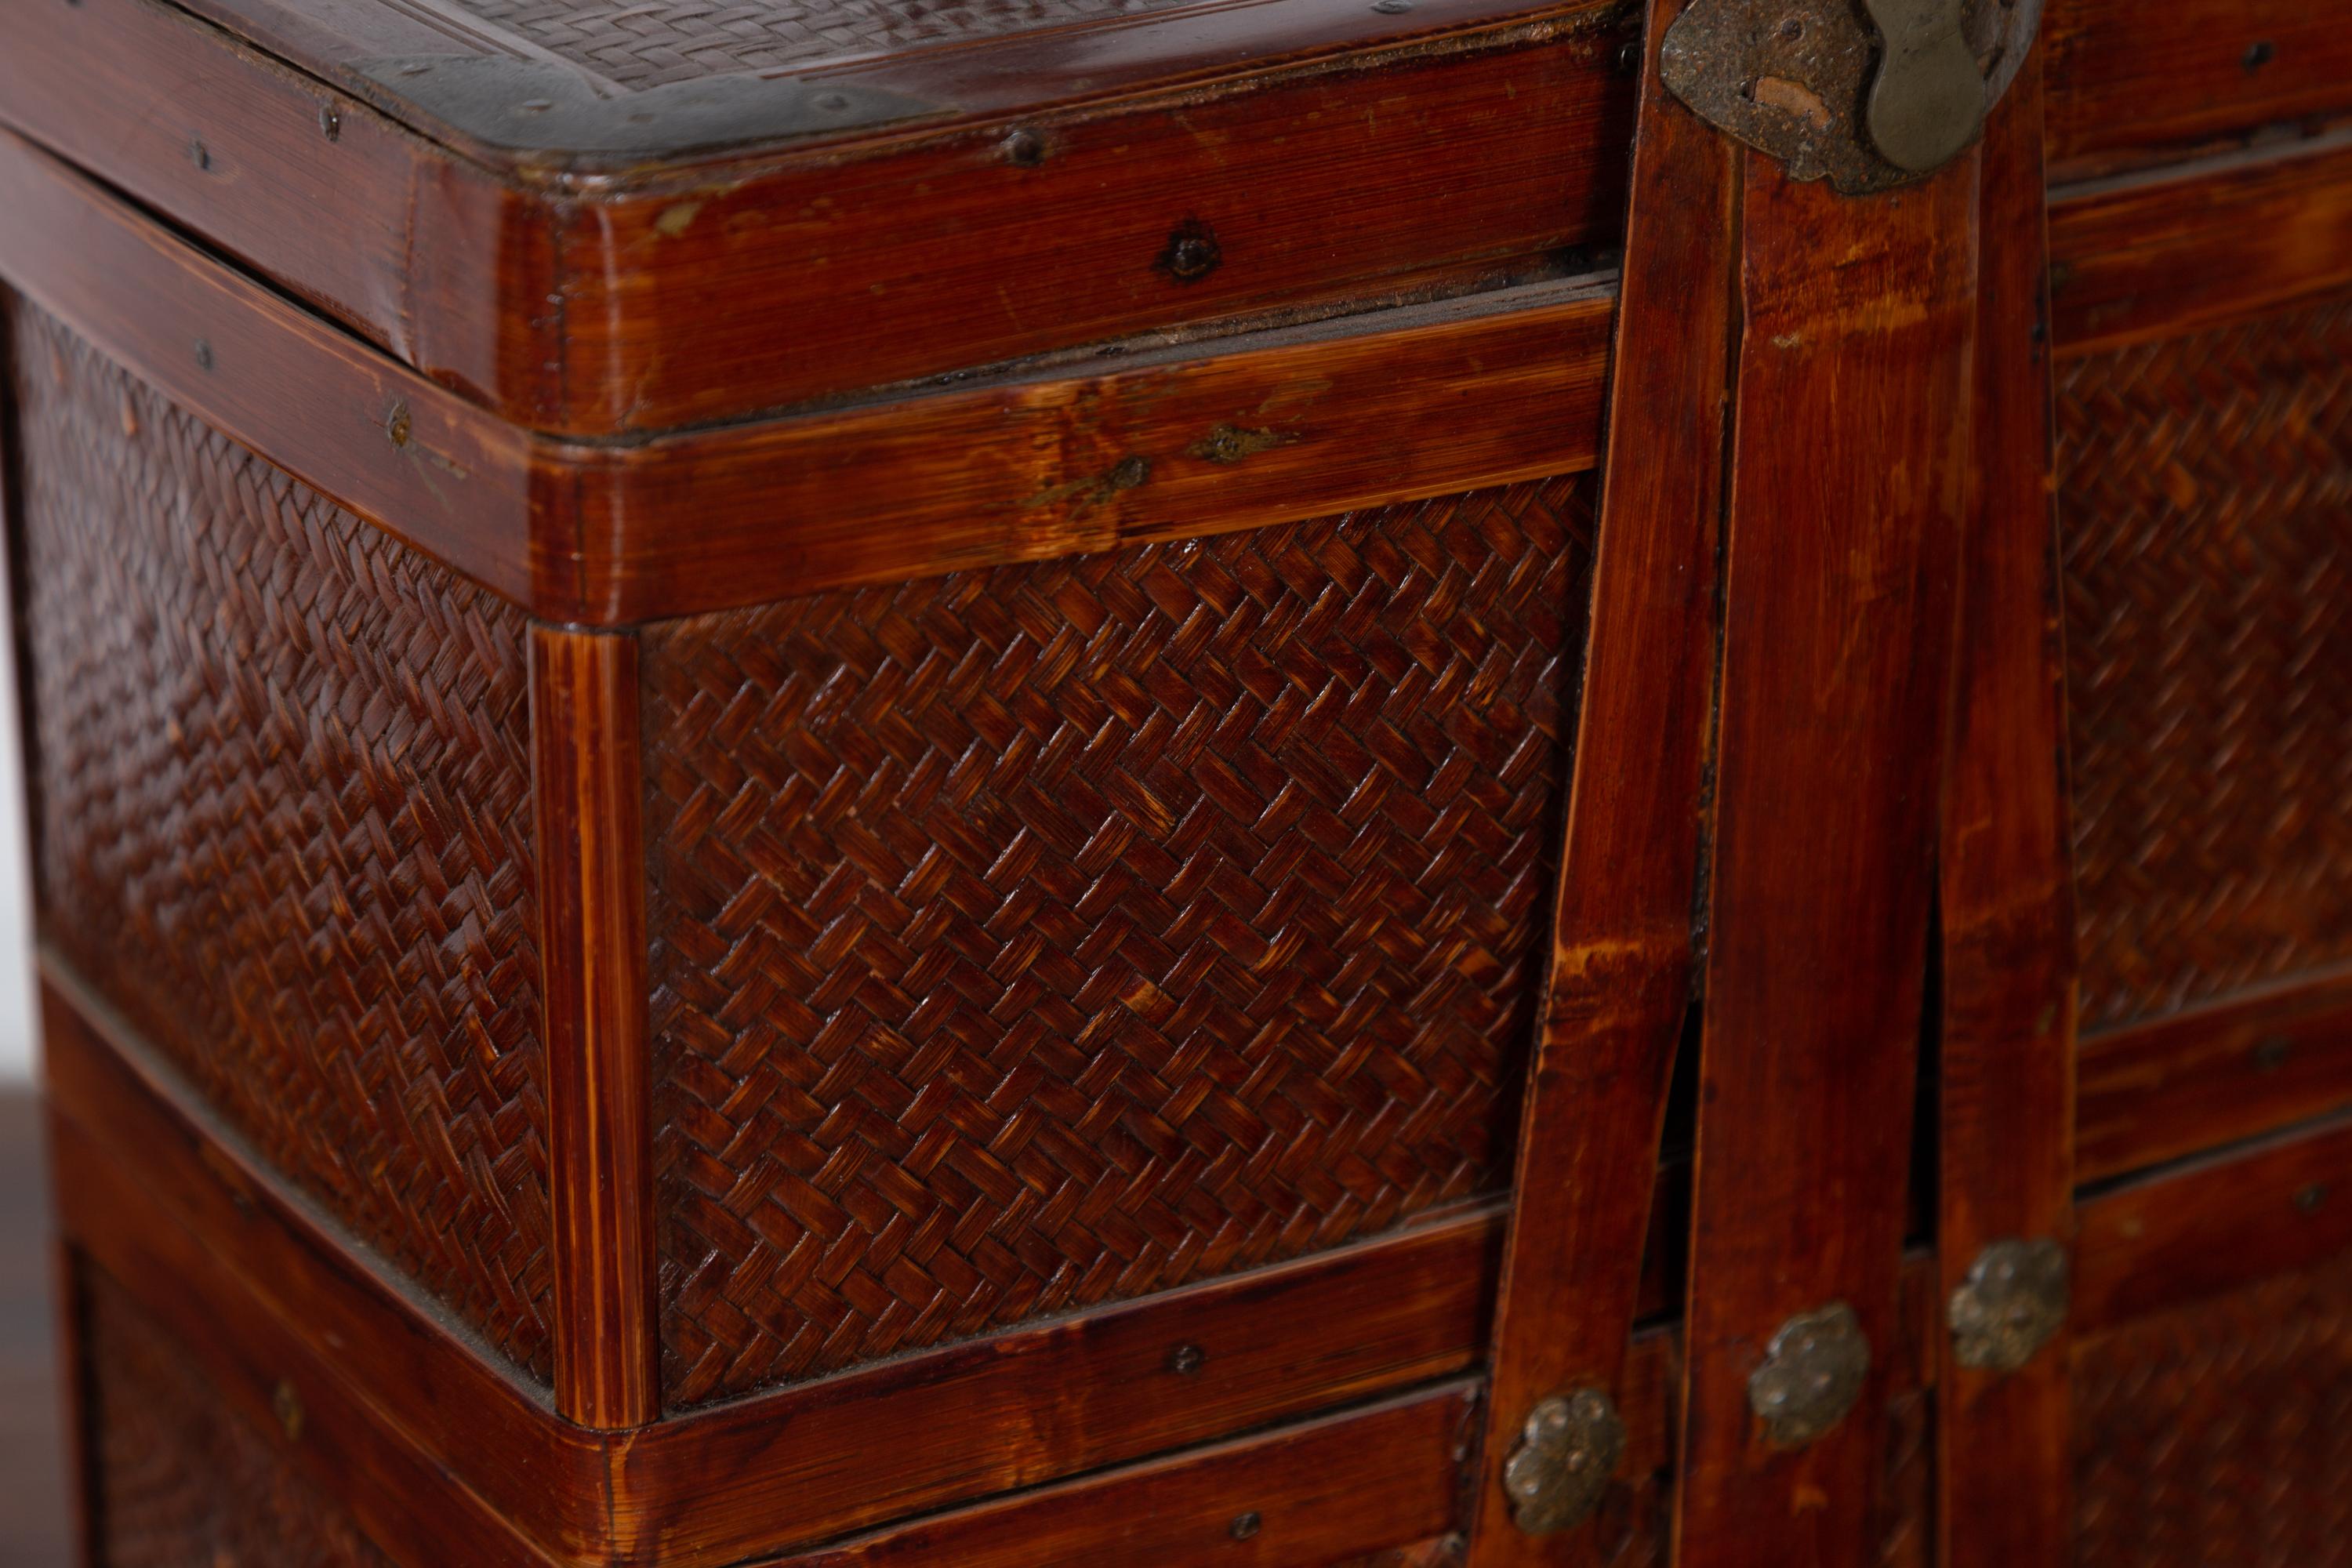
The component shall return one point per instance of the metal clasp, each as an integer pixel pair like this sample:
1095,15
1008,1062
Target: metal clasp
1866,97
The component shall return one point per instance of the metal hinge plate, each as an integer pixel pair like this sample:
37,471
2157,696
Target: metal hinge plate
1867,94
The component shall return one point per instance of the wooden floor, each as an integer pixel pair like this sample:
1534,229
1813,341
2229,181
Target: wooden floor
32,1471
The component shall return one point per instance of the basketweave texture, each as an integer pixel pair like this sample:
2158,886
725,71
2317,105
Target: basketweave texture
1036,937
179,1478
2206,507
281,779
641,46
2221,1432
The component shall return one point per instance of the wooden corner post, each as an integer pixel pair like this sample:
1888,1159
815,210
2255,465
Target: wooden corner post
585,783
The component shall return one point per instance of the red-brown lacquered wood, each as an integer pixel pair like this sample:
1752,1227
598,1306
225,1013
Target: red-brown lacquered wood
2214,1075
1432,402
924,249
2130,80
418,461
1021,1409
280,1372
1620,978
1270,428
1340,1487
403,242
753,284
734,291
2204,1228
589,795
1850,455
1029,1406
2005,1095
2153,255
179,1189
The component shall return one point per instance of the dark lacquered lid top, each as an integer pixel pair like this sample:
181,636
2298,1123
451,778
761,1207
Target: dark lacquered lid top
611,81
609,218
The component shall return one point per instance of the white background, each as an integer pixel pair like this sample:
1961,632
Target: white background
15,921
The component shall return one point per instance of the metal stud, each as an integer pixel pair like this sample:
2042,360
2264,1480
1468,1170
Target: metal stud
2013,1301
1814,1372
1568,1449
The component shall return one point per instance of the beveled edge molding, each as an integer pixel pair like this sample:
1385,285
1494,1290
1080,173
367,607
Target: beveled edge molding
157,1192
1338,1486
944,79
587,810
2207,1225
2241,1067
1204,440
2168,251
496,279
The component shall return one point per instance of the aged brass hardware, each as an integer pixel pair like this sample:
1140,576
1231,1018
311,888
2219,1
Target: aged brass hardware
1866,96
1567,1451
1812,1372
2013,1299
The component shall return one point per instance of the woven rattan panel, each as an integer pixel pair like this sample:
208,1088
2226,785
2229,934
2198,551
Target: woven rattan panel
179,1479
642,46
2221,1433
2206,506
281,777
1037,937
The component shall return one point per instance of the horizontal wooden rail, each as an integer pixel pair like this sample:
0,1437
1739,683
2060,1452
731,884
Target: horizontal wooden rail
1208,439
2133,82
2155,256
167,1201
2204,1228
2175,1086
1343,1486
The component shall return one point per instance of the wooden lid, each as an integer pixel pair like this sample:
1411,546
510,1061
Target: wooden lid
612,84
608,219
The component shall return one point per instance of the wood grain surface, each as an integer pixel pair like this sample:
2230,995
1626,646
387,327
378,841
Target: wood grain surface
763,282
462,1464
2004,1083
1159,445
1619,984
2255,1063
1851,446
2226,240
2132,83
2207,1225
587,796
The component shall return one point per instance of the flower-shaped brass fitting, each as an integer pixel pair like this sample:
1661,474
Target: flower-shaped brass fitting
1812,1372
1568,1449
2013,1299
